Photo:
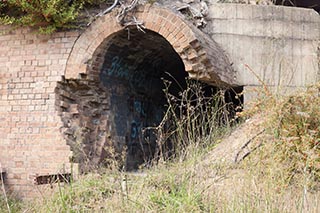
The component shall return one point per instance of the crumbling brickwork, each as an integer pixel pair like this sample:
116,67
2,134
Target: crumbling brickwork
45,116
196,48
83,106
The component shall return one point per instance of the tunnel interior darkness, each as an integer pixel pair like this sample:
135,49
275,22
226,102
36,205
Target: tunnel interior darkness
134,68
111,112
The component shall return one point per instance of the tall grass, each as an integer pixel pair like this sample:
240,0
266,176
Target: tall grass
10,205
193,120
192,124
293,135
280,176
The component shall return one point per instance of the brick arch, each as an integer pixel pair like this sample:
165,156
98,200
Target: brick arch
203,58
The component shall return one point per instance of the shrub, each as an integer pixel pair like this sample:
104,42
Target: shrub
291,148
297,130
46,15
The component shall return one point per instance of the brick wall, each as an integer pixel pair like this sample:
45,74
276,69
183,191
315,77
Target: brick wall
30,141
203,58
31,66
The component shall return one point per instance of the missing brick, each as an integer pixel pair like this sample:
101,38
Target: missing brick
51,179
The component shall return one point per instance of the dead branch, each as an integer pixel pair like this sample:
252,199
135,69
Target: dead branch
103,12
236,160
126,18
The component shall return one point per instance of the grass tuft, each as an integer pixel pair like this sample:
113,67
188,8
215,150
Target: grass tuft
282,175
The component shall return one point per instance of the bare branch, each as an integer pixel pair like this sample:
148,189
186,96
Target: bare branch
126,18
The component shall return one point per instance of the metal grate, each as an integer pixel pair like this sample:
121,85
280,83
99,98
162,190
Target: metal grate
50,179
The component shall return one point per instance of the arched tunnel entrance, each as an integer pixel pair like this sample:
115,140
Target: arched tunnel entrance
134,68
107,113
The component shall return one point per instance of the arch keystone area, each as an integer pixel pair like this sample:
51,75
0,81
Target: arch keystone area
203,58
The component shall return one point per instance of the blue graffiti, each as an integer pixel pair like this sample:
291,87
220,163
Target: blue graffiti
138,107
135,132
119,69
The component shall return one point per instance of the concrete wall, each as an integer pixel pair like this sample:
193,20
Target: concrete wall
278,44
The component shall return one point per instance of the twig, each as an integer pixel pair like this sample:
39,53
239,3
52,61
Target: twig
124,188
245,145
122,17
3,189
138,24
104,12
259,79
109,8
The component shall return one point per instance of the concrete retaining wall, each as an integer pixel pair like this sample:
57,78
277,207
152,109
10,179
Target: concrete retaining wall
279,44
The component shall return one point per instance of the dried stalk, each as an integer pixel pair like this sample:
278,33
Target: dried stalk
104,12
3,189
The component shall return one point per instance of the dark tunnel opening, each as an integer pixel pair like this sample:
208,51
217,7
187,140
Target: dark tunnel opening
135,67
115,116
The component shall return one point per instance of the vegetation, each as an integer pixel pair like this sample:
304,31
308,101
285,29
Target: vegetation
50,15
184,124
290,154
281,176
46,15
12,204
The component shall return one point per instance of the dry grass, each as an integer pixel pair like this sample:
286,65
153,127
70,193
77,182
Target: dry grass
282,175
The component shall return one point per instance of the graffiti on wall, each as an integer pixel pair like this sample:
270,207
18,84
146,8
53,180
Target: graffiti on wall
139,120
118,69
138,108
121,70
136,94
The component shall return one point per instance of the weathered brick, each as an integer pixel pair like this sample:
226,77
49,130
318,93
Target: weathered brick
33,64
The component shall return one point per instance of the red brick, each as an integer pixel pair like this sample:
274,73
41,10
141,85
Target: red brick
33,64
